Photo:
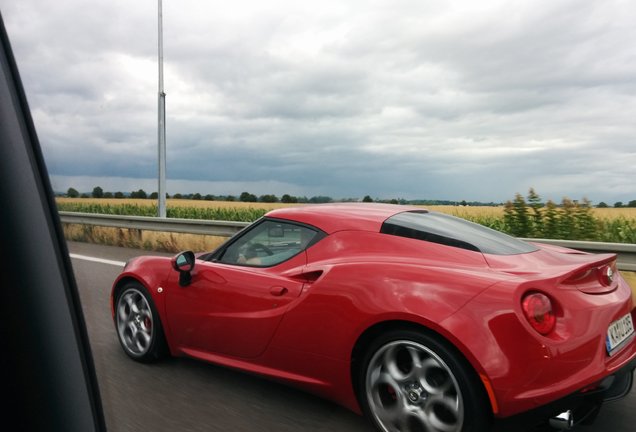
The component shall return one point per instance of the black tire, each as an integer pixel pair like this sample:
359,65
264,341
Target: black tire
414,381
138,324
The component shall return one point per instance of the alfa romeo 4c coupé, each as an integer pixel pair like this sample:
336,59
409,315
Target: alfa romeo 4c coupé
419,320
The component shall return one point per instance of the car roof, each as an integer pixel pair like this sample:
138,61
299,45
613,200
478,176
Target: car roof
342,216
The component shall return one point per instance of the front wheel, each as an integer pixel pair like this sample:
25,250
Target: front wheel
412,381
138,325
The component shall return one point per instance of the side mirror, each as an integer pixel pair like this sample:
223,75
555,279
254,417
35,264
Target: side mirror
183,262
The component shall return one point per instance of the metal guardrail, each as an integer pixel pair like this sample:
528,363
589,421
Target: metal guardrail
626,253
144,223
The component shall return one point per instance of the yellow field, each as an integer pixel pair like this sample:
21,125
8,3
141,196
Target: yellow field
602,213
614,213
175,203
485,211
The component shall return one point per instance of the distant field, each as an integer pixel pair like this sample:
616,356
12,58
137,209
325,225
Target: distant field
601,213
172,203
464,212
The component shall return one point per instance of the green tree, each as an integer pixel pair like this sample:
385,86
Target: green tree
139,194
98,192
367,198
320,199
108,195
72,193
119,195
248,197
618,204
268,198
632,203
154,195
602,205
288,199
197,196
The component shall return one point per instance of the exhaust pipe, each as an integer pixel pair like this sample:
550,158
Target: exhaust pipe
564,421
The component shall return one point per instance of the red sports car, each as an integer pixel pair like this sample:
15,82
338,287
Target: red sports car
419,320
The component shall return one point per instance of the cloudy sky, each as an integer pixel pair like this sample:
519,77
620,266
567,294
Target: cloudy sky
431,99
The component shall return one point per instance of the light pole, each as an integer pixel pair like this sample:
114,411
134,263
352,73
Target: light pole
162,125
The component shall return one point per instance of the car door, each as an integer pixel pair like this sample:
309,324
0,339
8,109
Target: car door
233,308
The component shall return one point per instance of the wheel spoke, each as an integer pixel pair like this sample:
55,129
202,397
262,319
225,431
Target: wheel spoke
444,413
434,377
387,398
122,316
130,301
414,419
143,340
390,364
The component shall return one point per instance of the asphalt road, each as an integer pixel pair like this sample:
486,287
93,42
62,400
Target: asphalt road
187,395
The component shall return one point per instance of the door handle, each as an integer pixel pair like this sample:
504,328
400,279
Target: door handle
278,291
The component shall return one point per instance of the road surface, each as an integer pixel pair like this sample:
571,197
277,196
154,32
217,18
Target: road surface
186,395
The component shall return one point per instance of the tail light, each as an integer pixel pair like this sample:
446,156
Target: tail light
537,308
597,279
604,274
607,273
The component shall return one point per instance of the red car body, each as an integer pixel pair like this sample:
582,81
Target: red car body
309,319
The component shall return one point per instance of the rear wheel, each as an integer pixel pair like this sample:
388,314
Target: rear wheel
412,381
138,325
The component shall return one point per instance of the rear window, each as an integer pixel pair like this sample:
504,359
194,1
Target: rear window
452,231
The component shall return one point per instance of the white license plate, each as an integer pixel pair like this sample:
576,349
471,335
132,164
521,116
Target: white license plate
618,332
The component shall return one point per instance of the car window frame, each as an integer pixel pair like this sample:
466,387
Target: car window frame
217,255
47,370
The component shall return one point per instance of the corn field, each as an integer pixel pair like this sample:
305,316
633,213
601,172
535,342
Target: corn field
237,214
569,220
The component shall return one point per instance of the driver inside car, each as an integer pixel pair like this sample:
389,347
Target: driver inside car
251,255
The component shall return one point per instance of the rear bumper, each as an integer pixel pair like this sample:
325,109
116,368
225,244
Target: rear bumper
584,403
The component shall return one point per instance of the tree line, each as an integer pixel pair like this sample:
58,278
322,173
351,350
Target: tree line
98,192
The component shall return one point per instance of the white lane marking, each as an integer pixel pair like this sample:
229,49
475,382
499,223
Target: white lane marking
98,260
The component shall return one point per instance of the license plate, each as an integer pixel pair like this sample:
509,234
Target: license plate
618,332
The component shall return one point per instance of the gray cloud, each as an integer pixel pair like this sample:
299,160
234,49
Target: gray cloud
447,100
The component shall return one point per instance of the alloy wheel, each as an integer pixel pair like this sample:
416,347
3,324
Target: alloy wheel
134,322
410,388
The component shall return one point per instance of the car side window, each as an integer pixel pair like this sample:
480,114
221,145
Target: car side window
267,244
